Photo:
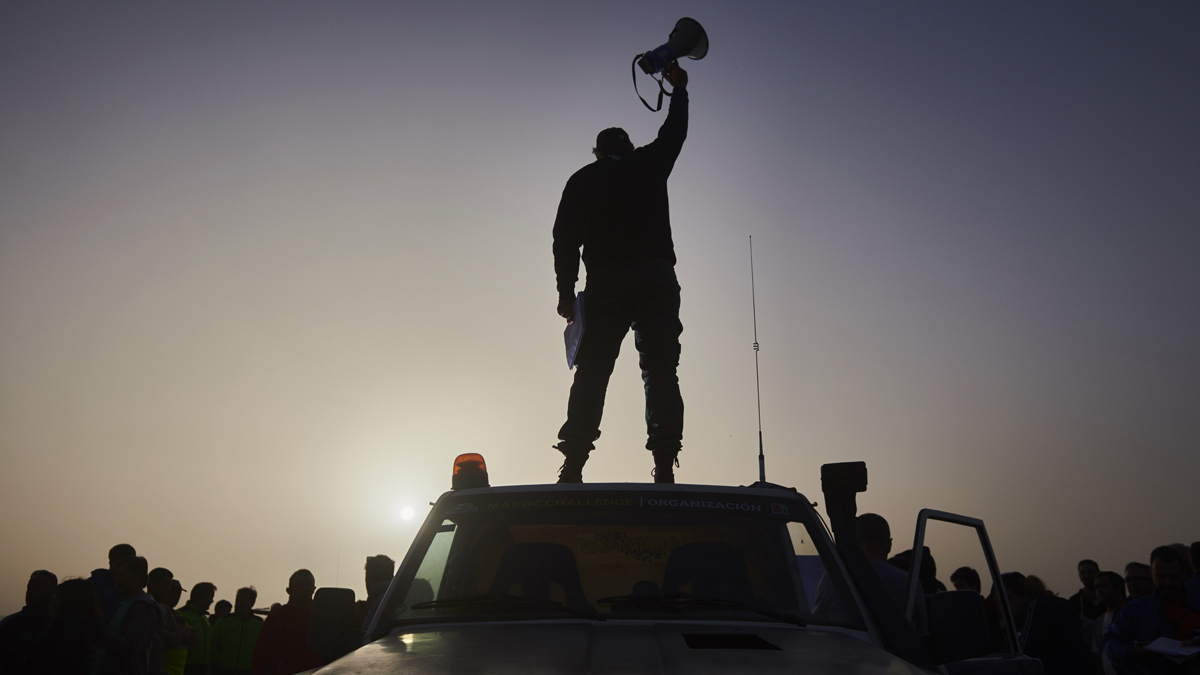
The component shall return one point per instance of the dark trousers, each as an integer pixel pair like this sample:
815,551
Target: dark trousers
644,297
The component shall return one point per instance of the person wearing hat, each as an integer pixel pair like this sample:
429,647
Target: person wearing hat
177,657
160,585
616,209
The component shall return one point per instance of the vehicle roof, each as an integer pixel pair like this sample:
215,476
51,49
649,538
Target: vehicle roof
767,490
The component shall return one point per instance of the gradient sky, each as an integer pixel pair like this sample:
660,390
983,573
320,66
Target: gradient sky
266,268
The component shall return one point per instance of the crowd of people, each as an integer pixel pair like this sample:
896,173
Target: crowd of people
1116,624
1108,626
125,620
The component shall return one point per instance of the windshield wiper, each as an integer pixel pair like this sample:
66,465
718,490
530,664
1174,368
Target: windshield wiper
692,600
495,599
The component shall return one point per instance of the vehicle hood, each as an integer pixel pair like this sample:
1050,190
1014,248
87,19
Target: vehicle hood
619,648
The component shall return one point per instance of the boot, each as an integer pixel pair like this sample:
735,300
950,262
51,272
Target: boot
664,466
572,468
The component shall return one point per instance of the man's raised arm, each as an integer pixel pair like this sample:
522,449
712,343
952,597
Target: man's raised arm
674,129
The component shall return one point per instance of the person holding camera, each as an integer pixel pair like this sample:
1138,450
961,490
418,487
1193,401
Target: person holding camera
616,209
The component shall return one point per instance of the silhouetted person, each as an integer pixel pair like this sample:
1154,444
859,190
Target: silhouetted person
168,635
379,571
966,579
928,573
283,646
176,658
1035,586
68,647
1191,587
1161,614
124,647
991,606
617,209
1138,582
1110,588
195,614
1185,556
222,609
875,537
1048,628
102,580
235,636
18,631
1085,601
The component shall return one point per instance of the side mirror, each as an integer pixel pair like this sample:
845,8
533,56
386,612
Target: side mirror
331,631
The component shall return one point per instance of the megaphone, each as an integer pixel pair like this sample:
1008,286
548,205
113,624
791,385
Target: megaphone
688,39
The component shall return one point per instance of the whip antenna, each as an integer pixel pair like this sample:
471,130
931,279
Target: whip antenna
762,467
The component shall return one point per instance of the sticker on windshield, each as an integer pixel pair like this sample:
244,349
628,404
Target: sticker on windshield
704,504
559,503
622,547
462,507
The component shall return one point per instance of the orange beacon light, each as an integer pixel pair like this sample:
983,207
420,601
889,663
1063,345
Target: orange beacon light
470,471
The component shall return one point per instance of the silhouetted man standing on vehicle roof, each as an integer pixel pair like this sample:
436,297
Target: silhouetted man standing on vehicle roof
616,208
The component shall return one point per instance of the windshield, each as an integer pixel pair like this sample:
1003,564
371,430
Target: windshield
500,557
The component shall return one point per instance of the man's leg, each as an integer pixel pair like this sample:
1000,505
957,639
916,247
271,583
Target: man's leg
607,322
656,328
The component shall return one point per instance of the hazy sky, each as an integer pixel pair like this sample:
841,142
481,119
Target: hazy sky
266,268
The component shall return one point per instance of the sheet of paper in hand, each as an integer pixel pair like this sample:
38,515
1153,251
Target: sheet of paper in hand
1173,649
574,332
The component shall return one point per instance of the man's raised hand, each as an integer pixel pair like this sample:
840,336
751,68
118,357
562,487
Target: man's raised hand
677,78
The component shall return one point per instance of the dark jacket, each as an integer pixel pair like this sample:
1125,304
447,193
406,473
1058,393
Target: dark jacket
1050,631
1140,620
124,646
1092,608
616,208
1191,591
68,647
283,645
17,635
106,592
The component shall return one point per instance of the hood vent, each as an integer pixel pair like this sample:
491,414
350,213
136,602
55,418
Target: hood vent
726,641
